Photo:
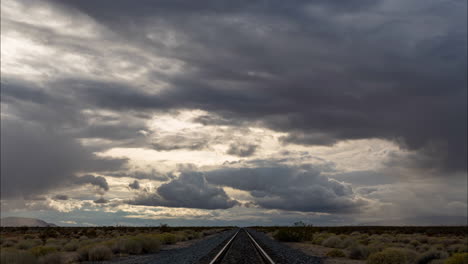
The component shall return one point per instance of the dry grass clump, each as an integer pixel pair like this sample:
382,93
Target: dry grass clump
72,245
427,257
27,244
99,253
42,250
358,252
333,242
336,253
168,238
459,258
392,256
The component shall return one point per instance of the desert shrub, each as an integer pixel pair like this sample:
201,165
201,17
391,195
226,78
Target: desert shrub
336,253
130,245
99,253
457,248
358,252
423,239
449,241
347,242
415,243
29,236
459,258
42,250
54,243
319,238
392,256
168,238
388,256
83,238
438,247
333,241
150,244
71,245
425,258
9,243
54,258
27,244
376,247
10,256
287,235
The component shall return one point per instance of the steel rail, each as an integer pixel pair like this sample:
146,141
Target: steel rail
260,249
221,253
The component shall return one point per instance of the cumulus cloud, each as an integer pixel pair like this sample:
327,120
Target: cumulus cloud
290,188
97,181
190,190
135,185
241,150
101,201
62,197
178,141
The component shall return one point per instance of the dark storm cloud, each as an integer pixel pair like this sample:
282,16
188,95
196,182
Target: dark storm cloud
321,71
36,159
97,181
101,201
241,150
135,185
290,189
61,197
190,190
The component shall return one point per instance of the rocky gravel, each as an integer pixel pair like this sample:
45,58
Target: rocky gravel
280,253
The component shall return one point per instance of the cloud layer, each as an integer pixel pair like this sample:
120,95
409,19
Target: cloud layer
255,107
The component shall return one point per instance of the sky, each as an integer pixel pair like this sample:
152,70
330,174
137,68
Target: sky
219,112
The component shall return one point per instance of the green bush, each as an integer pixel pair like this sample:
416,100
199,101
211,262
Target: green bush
358,252
42,250
99,253
336,253
333,241
168,238
150,244
347,242
130,245
425,258
392,256
319,238
11,256
27,244
459,258
287,235
71,245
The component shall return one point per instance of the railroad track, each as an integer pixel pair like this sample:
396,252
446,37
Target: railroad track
242,248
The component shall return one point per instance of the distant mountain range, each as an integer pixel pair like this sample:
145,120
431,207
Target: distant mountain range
23,221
